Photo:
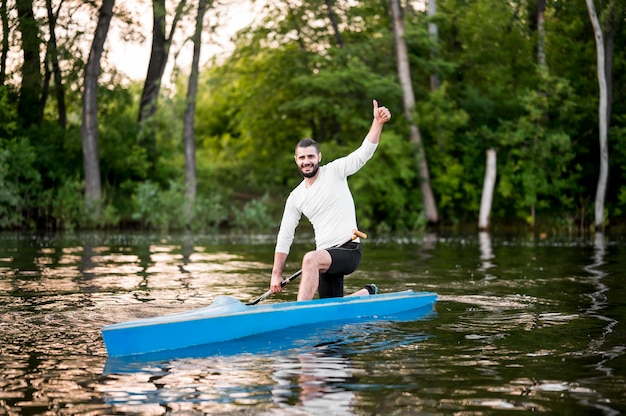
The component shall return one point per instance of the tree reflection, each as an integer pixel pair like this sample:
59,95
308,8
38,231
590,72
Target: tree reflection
486,254
599,300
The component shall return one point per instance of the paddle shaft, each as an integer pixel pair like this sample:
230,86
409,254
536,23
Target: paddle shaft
355,234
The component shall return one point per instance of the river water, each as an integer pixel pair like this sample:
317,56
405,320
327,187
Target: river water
521,324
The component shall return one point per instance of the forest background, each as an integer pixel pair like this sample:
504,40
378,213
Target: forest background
539,83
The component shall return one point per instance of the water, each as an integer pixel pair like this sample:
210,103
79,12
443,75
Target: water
522,324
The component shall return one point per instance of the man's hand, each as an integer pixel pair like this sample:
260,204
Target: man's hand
276,284
381,114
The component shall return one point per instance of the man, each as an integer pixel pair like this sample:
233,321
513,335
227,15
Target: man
324,198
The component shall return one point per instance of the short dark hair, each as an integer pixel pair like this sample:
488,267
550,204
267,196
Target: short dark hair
308,142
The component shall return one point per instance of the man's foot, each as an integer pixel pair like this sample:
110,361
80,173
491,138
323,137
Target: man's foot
372,289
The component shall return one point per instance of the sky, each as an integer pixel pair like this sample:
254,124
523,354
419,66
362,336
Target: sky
132,58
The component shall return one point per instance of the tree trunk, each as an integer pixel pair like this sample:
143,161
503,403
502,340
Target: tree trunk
89,131
333,20
158,60
45,86
30,90
190,110
541,32
4,16
404,74
603,109
156,67
433,32
613,13
53,60
488,186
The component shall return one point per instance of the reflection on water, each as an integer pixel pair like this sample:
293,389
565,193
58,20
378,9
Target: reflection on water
321,379
303,368
599,299
521,324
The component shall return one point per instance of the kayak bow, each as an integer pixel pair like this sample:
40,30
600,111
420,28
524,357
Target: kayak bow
227,319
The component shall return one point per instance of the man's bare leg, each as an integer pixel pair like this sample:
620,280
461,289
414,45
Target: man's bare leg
360,292
313,263
368,290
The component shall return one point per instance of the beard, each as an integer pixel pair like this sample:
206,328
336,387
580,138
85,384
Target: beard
311,173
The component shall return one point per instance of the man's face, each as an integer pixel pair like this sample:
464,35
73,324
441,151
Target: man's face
308,160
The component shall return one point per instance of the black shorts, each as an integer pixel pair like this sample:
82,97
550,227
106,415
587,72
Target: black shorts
346,259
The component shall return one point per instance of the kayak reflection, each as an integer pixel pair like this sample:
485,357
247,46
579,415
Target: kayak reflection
308,367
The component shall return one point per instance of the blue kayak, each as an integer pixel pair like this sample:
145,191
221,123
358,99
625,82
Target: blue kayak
229,319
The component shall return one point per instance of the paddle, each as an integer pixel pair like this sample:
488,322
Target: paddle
355,234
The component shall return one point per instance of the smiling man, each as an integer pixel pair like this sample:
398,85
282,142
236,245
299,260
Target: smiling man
325,199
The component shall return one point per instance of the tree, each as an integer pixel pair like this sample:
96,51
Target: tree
158,60
433,31
335,25
540,22
52,60
190,110
603,116
487,195
537,170
404,73
89,131
30,90
4,51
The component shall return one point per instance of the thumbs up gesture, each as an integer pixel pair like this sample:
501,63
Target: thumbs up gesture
381,114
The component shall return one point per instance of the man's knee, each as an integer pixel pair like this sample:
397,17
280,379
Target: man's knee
308,259
319,259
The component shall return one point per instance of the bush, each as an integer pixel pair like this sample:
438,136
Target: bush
68,205
20,183
254,216
208,213
168,209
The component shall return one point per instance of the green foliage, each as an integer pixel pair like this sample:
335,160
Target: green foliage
621,198
209,212
68,205
168,209
64,206
122,159
254,216
441,122
102,217
8,113
536,170
489,42
20,183
160,209
9,196
618,170
386,191
292,76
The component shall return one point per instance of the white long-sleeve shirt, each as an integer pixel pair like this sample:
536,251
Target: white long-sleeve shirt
328,203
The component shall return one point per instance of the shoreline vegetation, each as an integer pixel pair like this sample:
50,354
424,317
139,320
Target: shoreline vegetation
507,86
